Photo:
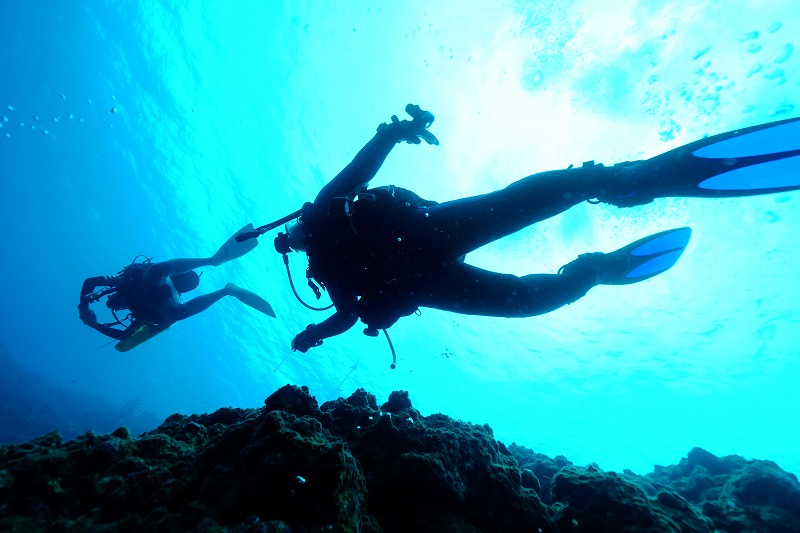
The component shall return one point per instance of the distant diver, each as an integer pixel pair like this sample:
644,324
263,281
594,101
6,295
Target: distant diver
383,253
152,293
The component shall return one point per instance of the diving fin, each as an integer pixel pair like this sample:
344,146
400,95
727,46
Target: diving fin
232,249
250,298
139,335
760,159
637,261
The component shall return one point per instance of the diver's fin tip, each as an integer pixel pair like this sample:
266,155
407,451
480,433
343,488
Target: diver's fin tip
233,249
761,159
251,299
637,261
653,254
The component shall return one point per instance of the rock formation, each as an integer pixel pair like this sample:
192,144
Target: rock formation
350,465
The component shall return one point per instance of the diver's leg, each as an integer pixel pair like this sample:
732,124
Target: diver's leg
460,226
469,290
180,311
175,266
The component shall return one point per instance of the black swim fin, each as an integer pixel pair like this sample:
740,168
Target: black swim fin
635,262
756,160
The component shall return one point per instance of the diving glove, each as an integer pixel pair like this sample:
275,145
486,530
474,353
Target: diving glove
87,316
411,131
305,340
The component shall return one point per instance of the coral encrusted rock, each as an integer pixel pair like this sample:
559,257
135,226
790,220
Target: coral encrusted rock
352,466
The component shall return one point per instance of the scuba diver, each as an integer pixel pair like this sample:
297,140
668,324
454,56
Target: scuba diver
152,293
383,253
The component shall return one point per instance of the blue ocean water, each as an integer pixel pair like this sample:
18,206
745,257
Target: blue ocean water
160,128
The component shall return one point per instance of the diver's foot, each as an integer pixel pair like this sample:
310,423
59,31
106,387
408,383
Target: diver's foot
604,268
231,289
637,261
628,188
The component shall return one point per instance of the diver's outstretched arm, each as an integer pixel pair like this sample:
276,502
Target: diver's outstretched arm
108,331
342,320
90,284
368,161
361,169
312,336
86,315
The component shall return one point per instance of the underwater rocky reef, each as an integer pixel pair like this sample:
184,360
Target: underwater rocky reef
351,465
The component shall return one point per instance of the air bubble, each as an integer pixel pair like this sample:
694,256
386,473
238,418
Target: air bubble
788,48
701,53
11,108
749,36
755,69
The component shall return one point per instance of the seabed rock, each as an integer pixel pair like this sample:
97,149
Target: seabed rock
349,465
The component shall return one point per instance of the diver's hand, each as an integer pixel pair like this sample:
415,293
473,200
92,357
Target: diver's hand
305,340
412,131
421,117
87,316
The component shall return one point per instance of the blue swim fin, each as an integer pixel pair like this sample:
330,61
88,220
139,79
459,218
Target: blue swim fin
756,160
635,262
646,257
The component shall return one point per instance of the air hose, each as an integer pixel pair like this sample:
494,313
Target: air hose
291,284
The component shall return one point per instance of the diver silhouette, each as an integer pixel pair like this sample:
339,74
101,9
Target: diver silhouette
152,293
385,252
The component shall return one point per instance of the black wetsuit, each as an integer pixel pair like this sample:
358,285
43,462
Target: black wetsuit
382,259
145,294
145,291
